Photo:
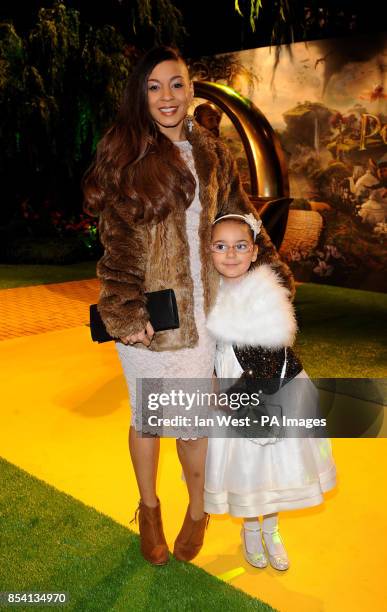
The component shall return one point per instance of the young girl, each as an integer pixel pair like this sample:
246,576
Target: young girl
254,324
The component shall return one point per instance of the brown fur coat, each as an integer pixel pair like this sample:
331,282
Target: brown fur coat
140,258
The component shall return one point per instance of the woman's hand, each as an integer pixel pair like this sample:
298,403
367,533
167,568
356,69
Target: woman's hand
145,336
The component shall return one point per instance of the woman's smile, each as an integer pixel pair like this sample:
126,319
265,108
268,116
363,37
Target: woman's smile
169,95
168,110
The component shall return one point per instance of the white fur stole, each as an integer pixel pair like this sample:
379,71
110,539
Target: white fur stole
254,311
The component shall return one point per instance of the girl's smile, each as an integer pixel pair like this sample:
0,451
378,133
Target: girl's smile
232,249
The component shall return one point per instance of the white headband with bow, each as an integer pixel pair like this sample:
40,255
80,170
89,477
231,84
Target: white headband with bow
252,222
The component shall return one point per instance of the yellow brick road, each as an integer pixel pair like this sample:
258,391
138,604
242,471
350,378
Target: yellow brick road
26,311
65,418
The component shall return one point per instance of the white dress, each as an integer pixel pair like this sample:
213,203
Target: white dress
197,362
249,478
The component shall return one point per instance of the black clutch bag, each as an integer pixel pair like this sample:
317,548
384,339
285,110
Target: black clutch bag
163,314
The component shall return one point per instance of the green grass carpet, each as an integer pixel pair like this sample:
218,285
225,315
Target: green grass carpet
342,331
25,275
51,542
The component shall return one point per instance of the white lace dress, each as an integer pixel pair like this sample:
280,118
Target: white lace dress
197,362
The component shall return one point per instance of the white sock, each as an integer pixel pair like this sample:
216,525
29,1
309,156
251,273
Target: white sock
271,535
253,540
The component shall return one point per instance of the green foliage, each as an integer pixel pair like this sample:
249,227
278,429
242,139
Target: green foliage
60,87
106,67
255,6
54,44
161,17
12,64
288,21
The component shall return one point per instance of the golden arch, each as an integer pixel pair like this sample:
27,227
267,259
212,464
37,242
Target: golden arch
266,160
267,165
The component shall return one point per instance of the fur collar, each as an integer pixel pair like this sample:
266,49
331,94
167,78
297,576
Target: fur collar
256,311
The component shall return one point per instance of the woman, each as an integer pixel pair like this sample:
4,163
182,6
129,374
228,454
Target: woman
157,182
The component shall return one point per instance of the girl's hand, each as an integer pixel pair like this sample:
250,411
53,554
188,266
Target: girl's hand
145,337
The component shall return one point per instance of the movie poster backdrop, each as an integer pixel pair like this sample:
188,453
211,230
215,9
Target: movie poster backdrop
327,102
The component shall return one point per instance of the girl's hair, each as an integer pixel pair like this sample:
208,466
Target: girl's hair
135,163
220,220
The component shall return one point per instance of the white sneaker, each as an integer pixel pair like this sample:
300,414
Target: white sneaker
257,557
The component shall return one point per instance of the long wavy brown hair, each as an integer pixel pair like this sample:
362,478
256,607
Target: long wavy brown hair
135,164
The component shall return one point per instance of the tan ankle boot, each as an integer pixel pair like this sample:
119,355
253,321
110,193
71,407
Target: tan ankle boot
154,547
190,539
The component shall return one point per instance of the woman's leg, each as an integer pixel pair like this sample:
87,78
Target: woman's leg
192,455
145,457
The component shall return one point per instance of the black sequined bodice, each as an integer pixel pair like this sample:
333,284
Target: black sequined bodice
266,365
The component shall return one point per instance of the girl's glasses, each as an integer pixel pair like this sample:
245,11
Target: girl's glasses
239,247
